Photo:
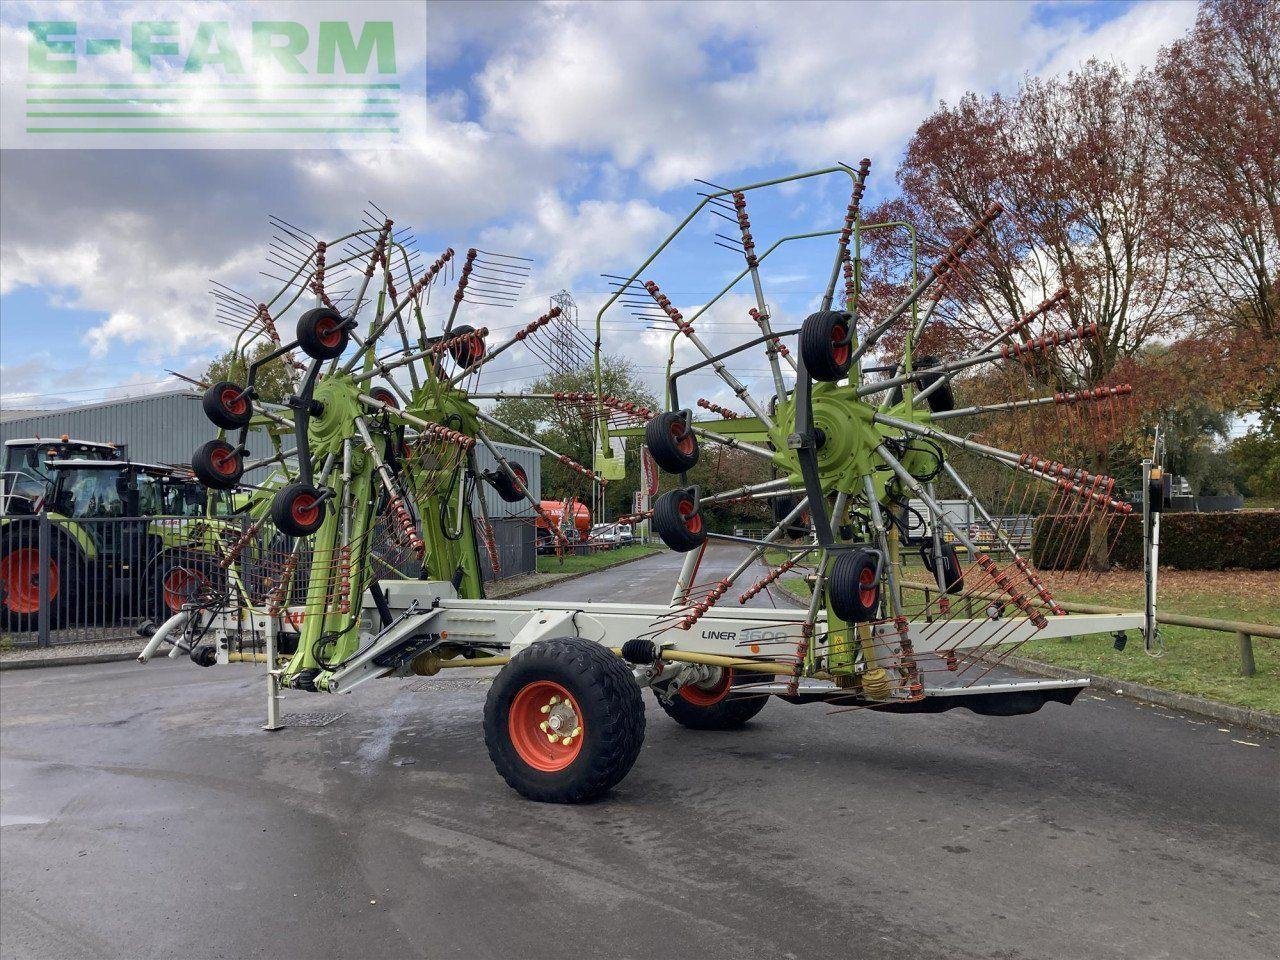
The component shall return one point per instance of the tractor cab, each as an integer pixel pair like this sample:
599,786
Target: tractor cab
98,489
27,471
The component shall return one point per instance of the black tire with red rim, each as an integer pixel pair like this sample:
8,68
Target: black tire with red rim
383,395
180,578
853,586
563,721
505,487
322,333
227,405
952,572
673,446
781,508
298,510
826,345
465,350
678,522
720,704
216,464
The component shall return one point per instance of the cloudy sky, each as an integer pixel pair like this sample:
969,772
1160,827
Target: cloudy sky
566,132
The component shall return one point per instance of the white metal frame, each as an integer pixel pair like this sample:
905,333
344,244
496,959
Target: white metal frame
431,610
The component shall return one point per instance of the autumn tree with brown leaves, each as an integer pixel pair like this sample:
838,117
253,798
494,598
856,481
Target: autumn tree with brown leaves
1154,199
1219,100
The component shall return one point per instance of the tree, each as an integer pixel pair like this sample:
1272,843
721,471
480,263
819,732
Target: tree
565,428
272,382
1219,103
1075,161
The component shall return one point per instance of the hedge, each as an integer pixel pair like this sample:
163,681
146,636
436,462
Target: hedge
1188,541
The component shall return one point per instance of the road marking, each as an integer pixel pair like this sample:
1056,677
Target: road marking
1247,743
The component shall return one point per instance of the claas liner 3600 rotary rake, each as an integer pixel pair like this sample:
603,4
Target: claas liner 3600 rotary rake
359,558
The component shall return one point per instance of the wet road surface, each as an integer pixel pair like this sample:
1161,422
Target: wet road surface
145,814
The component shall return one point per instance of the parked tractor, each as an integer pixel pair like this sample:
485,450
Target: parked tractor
133,538
26,477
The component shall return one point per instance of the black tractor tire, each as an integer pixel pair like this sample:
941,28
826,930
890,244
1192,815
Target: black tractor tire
297,510
505,487
468,351
216,464
227,405
853,588
675,522
673,446
826,346
322,333
713,707
594,686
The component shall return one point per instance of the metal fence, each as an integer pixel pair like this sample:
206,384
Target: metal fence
73,580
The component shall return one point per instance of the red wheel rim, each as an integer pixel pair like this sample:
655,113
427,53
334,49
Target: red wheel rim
233,400
520,474
701,696
225,462
179,586
867,587
20,574
305,509
682,437
385,396
328,332
540,711
692,521
839,351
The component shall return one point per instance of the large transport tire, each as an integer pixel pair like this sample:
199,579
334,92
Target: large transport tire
322,333
20,580
676,523
594,691
673,446
227,406
826,346
710,706
297,510
853,587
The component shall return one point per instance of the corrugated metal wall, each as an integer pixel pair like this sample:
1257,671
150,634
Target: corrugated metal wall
162,428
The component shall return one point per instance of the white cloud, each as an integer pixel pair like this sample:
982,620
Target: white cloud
1132,39
573,241
539,152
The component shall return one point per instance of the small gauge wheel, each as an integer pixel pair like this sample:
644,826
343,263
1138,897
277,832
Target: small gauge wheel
298,510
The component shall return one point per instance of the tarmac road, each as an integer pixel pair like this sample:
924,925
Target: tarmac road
144,814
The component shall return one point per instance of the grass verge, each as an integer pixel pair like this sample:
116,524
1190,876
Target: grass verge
582,563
